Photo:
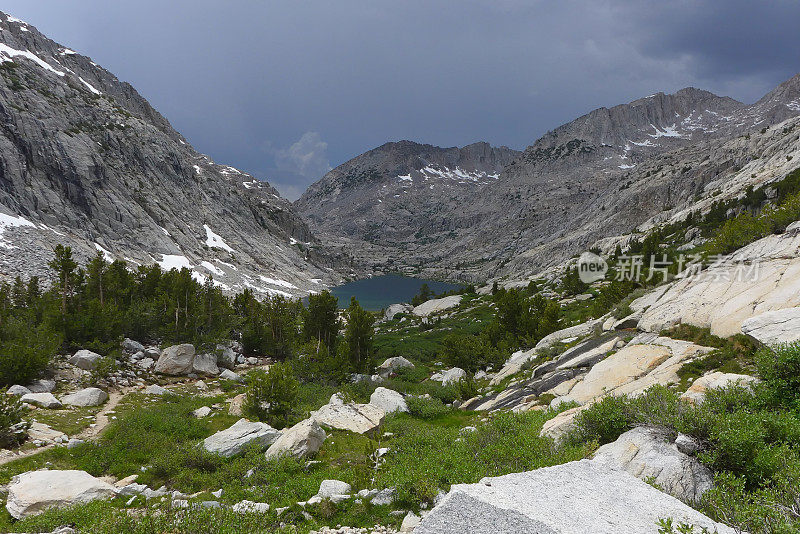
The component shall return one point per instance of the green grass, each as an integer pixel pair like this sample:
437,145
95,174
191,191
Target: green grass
412,340
426,455
70,421
730,355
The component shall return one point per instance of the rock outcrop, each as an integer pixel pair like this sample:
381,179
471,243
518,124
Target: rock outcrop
653,456
434,306
774,327
761,277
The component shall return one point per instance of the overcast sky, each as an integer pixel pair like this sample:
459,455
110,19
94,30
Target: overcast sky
285,90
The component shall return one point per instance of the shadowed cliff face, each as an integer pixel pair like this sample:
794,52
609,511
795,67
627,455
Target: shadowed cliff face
599,175
88,162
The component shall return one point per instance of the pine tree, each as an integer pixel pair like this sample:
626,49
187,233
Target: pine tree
358,336
64,266
96,272
322,320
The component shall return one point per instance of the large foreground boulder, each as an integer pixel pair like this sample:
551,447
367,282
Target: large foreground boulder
33,492
241,434
86,397
651,455
577,497
301,441
176,360
358,418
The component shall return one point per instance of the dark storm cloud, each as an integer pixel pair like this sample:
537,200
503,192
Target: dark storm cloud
286,89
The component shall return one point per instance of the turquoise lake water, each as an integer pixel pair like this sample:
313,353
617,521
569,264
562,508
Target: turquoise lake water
377,293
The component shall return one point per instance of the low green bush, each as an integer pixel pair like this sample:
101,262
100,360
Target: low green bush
780,368
602,422
426,408
271,394
25,350
12,430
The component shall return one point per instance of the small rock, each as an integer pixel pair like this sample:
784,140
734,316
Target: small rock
131,347
227,374
328,488
85,359
202,412
74,442
384,497
250,507
155,389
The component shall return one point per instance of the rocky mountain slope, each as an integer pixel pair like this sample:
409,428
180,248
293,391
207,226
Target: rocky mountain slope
86,161
599,175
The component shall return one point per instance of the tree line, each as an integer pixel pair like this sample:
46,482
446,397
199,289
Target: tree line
96,304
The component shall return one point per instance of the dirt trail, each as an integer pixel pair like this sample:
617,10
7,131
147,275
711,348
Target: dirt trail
89,433
101,419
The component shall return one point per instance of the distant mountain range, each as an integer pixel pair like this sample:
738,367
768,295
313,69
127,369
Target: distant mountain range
506,213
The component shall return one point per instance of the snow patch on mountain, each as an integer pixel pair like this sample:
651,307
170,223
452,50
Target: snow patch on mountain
174,261
668,131
8,54
10,221
212,268
107,255
215,241
279,283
